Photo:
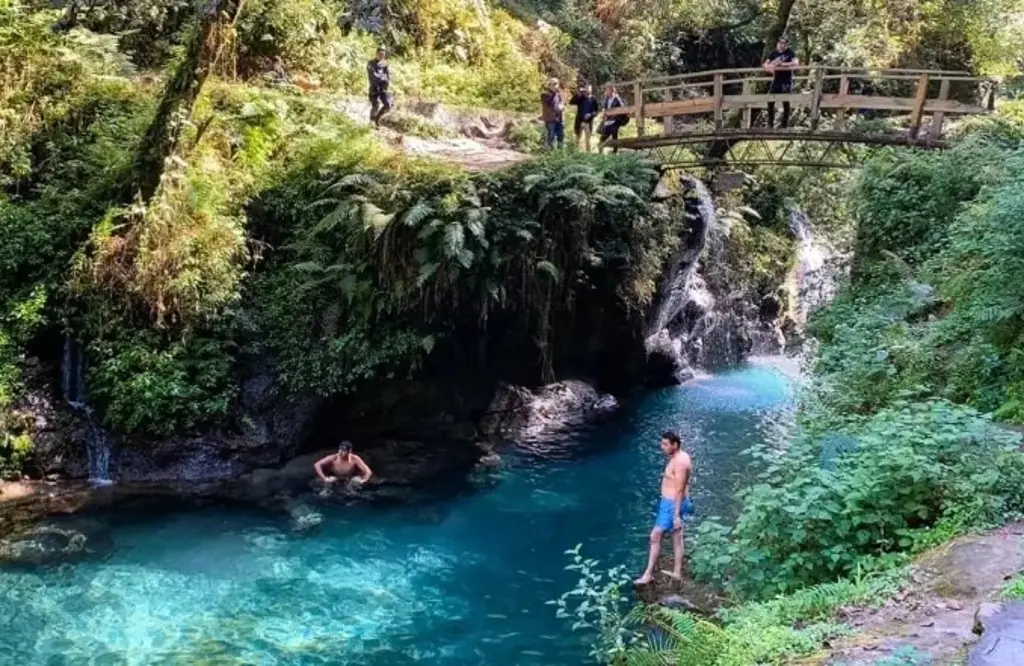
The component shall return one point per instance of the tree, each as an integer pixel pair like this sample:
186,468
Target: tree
164,133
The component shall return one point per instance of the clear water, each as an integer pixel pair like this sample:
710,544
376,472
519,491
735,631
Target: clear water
458,579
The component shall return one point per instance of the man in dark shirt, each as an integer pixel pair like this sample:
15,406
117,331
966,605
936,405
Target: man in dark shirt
587,108
780,64
380,80
552,112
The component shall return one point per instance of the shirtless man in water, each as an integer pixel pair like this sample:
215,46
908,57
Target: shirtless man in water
675,503
341,466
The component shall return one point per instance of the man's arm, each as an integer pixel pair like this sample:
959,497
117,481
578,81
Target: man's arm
364,470
680,485
792,64
318,467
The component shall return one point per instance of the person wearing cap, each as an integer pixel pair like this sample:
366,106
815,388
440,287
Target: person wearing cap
780,64
552,112
380,80
343,466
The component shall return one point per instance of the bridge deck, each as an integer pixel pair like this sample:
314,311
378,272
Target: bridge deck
700,100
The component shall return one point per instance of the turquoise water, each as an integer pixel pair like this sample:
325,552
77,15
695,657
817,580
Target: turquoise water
457,579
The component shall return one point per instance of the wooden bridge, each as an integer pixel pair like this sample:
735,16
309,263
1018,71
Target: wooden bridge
711,119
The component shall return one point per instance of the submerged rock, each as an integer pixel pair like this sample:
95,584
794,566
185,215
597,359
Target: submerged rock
45,545
520,415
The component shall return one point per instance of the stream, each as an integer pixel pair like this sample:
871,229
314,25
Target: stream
458,578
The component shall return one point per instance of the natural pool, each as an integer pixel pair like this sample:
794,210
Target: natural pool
458,579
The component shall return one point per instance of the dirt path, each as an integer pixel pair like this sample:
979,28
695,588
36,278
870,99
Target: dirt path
936,615
488,152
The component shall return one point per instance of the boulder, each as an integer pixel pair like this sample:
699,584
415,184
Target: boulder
520,415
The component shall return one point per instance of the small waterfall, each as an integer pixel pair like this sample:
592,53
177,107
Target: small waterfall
73,388
683,298
818,269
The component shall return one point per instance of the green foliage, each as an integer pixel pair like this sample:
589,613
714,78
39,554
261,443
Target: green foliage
598,605
906,201
863,497
770,632
527,137
396,260
152,385
1013,590
17,326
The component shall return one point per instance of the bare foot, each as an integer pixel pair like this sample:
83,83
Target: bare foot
676,577
646,579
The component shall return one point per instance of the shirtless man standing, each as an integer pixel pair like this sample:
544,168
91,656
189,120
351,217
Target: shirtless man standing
675,502
341,466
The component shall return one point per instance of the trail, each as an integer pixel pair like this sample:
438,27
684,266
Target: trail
489,152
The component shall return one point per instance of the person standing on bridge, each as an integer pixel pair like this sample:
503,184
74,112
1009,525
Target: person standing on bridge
380,80
587,108
610,125
552,112
780,64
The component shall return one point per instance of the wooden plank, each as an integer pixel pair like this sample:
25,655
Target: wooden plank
939,116
638,102
719,78
904,104
846,103
760,101
682,107
816,98
919,100
844,89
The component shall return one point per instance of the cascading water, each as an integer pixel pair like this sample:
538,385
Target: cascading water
73,388
818,268
682,296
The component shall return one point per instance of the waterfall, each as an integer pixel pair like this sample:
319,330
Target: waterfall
683,298
818,269
97,446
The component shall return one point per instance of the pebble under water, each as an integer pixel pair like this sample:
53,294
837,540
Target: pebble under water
459,579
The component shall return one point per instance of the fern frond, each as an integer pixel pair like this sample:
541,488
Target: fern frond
550,270
419,212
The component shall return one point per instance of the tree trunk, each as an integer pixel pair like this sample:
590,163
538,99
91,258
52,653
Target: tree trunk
164,133
777,28
719,149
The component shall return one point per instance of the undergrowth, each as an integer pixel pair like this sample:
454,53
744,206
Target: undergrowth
769,632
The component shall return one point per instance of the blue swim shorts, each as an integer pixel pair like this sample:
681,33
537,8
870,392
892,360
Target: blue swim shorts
666,511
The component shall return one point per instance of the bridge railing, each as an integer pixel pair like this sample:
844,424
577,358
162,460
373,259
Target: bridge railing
820,90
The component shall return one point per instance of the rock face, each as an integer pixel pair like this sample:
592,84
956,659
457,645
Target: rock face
523,416
1002,640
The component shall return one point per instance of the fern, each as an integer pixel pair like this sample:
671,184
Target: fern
420,211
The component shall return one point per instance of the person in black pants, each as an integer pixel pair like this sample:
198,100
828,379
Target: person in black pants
379,75
780,64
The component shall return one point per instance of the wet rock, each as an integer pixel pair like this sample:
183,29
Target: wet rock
667,365
518,414
1002,643
983,614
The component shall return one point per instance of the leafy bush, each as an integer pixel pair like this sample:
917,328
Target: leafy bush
527,137
145,384
17,326
819,513
397,255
